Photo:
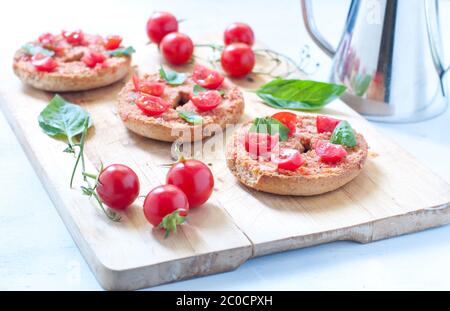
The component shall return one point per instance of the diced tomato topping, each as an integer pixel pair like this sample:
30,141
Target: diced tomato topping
207,78
205,101
260,144
113,42
289,119
328,152
326,124
43,63
46,39
151,105
92,58
147,87
74,37
288,159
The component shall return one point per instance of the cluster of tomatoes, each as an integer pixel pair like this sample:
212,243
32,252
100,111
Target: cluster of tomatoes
262,144
237,58
189,184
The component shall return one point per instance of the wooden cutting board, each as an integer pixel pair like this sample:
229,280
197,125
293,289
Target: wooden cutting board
394,194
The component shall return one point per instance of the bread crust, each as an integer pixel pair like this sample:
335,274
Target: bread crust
316,179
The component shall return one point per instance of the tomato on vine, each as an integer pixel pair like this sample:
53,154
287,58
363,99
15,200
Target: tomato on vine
159,25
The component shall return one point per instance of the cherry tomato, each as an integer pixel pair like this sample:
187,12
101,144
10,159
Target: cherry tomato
288,159
159,25
118,186
46,39
289,119
151,105
194,178
177,48
207,78
239,32
326,124
147,87
258,144
328,152
166,207
74,37
43,63
237,60
113,42
92,58
205,101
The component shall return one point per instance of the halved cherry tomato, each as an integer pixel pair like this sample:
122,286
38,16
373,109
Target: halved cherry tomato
194,178
113,42
237,59
43,63
74,37
151,105
177,48
92,58
239,32
207,78
289,119
328,152
46,39
288,159
147,87
260,144
166,206
326,124
205,101
160,24
118,186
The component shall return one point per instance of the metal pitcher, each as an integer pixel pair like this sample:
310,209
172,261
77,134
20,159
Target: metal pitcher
390,57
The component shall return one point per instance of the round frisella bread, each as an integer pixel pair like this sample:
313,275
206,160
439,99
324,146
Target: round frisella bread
71,66
314,177
170,126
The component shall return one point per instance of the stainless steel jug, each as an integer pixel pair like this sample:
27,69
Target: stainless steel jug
390,57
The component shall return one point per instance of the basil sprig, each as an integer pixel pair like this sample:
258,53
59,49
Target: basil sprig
172,77
270,126
122,51
190,117
344,134
32,49
299,94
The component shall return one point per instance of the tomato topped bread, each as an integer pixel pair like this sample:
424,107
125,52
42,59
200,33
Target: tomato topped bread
300,155
171,106
72,61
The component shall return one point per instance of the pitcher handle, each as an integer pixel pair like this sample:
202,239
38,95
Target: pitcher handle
435,38
313,31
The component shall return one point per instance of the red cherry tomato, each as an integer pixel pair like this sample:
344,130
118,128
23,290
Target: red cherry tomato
260,144
147,87
118,186
167,201
239,32
46,39
194,178
237,60
326,124
328,152
92,58
74,37
207,78
159,25
177,48
288,159
113,42
43,63
289,119
151,105
205,101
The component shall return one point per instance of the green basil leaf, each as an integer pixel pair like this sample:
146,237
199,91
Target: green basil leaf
63,119
299,94
36,49
197,89
122,51
344,134
270,126
172,77
190,117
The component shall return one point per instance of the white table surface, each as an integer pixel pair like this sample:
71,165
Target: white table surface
38,253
